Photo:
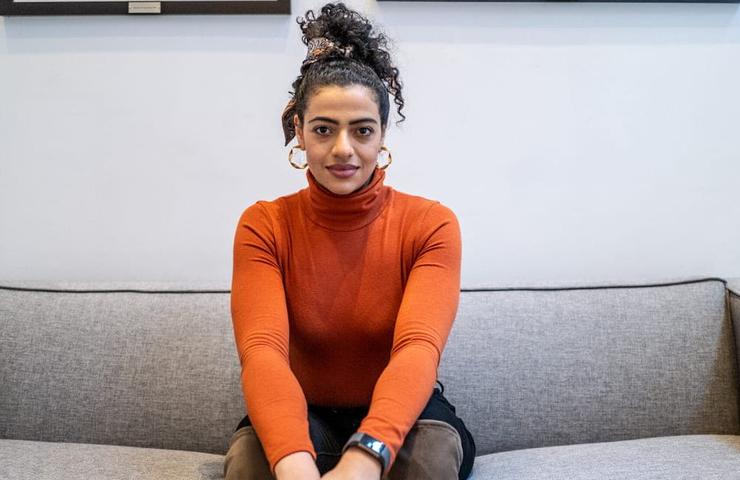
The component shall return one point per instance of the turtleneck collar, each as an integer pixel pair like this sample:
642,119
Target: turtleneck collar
345,212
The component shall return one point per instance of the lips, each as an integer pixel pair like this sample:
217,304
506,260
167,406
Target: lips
342,168
343,171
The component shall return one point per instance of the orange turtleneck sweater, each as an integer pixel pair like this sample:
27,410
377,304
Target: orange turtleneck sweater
342,301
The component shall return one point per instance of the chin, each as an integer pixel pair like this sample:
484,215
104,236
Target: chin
339,186
344,189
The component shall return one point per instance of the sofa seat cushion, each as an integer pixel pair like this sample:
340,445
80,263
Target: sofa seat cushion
665,458
31,460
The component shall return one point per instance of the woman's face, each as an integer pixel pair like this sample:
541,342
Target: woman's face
341,137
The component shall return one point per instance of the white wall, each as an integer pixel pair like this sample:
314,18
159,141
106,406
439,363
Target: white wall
575,141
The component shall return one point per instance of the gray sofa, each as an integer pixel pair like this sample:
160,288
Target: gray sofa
141,381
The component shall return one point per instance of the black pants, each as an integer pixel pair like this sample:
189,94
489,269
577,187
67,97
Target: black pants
330,428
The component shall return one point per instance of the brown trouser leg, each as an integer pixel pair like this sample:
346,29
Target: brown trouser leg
432,450
245,459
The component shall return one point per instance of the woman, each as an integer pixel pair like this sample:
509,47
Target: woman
344,293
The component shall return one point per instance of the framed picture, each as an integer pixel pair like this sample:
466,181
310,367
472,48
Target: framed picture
142,7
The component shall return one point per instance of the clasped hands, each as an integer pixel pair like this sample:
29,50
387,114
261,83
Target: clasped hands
355,464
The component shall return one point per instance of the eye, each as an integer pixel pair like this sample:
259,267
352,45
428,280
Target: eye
320,131
365,131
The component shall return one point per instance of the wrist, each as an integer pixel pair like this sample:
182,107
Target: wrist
364,461
297,465
371,447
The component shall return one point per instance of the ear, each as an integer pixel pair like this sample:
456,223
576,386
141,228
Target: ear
298,130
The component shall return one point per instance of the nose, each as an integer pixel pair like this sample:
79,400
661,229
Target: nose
343,145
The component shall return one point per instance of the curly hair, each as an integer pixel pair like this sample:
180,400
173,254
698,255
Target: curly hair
359,57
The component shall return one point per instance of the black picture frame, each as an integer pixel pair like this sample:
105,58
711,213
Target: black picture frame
144,7
576,1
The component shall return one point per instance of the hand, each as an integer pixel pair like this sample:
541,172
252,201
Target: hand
297,466
355,464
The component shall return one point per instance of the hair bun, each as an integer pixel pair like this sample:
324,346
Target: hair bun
346,29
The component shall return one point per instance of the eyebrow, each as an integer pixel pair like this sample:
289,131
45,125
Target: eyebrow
331,120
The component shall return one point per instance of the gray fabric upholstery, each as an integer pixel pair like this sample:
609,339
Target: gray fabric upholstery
141,369
733,300
733,296
539,368
733,285
30,460
690,457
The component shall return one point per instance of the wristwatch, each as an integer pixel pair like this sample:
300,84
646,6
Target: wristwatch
372,445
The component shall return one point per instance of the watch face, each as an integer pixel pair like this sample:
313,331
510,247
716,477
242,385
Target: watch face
376,445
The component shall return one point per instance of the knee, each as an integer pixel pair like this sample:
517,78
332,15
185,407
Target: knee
245,459
432,450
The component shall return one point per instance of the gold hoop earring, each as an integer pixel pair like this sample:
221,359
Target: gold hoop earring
390,158
299,166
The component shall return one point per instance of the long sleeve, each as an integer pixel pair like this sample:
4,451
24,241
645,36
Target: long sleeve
424,320
274,399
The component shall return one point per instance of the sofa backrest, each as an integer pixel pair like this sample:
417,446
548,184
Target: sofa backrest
151,368
554,366
156,365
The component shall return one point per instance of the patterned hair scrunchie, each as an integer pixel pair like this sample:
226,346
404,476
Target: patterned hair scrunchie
319,46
